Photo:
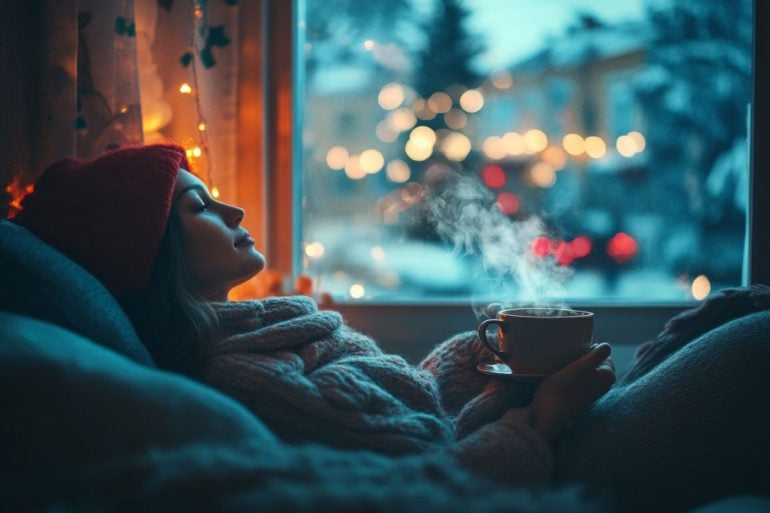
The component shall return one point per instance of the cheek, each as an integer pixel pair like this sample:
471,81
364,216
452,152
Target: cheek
207,250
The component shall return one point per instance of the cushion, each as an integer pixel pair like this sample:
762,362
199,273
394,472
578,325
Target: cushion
40,282
68,402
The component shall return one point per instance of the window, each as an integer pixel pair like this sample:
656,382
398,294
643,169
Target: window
605,144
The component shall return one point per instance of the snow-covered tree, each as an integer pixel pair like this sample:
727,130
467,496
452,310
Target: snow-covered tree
694,92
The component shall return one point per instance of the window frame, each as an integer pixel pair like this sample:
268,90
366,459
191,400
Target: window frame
412,328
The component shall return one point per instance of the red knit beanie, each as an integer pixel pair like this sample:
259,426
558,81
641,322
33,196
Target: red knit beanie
107,214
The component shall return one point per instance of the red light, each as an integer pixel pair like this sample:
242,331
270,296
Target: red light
508,203
493,177
563,253
622,247
541,246
581,246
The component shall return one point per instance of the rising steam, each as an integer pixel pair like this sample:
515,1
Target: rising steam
465,215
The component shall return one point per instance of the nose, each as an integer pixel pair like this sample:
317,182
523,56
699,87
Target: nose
233,215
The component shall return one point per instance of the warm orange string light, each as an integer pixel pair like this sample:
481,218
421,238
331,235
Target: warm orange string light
201,148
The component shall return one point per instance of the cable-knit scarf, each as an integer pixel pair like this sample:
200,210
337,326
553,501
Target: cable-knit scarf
309,376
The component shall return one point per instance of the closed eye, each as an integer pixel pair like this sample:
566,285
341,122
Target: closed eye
202,206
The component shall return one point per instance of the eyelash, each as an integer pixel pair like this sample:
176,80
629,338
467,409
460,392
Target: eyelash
203,207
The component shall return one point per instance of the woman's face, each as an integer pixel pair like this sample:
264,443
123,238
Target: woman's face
220,254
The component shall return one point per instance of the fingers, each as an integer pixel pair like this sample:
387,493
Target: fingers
609,364
596,356
596,362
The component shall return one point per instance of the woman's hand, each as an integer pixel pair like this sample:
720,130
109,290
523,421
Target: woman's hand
569,391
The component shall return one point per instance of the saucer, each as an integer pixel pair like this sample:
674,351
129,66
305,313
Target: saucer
501,370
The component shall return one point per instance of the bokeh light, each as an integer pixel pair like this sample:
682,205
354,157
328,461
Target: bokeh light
701,287
508,203
493,177
416,151
337,157
423,136
573,144
563,252
513,143
472,100
391,96
554,157
542,175
422,110
536,140
638,138
353,168
377,253
622,247
371,161
493,147
398,171
626,146
502,80
385,132
314,250
402,119
541,246
581,246
455,119
440,102
595,147
455,146
357,291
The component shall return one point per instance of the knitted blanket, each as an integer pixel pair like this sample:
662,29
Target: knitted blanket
310,377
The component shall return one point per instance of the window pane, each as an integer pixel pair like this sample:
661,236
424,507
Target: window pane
580,149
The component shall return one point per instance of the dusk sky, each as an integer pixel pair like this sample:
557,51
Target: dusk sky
516,28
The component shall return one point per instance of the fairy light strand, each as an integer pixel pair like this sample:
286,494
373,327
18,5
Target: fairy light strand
197,16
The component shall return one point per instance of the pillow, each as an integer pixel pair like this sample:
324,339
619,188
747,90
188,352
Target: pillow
38,281
68,403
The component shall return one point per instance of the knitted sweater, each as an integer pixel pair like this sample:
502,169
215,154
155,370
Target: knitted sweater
311,378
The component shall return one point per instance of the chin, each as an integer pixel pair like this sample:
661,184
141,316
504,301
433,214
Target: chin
259,262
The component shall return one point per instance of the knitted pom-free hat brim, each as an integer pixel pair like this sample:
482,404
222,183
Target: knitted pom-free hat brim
107,214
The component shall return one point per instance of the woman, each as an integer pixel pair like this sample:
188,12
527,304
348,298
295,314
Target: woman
152,233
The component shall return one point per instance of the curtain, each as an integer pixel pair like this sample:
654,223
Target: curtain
89,76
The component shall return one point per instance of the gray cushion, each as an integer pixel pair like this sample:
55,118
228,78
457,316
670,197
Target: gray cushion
38,281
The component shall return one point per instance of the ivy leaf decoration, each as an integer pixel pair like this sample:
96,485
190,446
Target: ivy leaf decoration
216,37
207,58
125,28
186,59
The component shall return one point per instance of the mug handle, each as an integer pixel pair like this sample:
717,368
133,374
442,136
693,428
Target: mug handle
482,332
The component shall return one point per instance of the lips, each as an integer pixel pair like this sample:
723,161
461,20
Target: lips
244,239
